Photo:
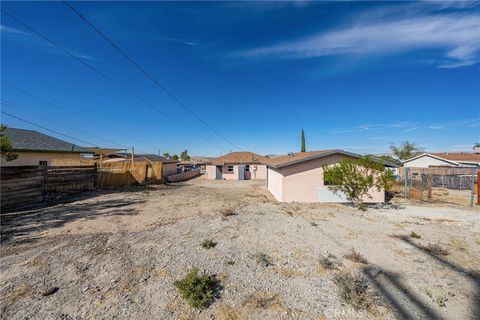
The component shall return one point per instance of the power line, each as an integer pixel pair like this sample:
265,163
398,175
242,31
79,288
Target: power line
107,77
148,75
56,122
75,114
44,128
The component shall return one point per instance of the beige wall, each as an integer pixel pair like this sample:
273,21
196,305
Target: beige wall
33,158
300,182
169,169
260,173
210,172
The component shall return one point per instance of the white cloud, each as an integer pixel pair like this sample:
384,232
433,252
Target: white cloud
179,40
457,34
12,30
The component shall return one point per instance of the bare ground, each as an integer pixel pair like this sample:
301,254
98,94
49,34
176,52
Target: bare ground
117,254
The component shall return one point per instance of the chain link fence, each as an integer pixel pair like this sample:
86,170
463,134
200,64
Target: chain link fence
441,185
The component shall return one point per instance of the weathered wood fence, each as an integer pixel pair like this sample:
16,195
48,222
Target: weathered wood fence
28,185
183,176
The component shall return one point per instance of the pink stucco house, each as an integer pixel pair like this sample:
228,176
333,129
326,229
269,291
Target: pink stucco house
299,177
242,165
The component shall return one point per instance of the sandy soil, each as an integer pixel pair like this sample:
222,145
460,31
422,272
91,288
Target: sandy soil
116,255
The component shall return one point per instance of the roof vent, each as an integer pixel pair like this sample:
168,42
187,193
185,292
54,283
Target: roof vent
290,154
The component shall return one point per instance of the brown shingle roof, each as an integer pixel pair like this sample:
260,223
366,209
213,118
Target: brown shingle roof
295,157
242,157
458,156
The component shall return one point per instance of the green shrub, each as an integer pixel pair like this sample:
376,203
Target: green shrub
198,290
208,244
415,235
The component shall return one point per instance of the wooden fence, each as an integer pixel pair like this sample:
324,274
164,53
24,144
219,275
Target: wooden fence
183,176
29,185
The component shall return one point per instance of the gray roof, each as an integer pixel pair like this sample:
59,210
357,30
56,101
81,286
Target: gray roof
29,140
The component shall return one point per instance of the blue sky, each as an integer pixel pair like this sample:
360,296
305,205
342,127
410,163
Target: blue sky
356,76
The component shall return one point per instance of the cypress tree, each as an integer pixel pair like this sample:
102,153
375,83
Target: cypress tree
303,142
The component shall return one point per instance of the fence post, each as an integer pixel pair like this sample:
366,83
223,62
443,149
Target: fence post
96,176
406,182
429,179
478,187
44,182
472,186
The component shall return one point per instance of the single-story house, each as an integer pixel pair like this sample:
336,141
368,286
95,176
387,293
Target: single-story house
298,177
241,165
35,148
169,166
444,159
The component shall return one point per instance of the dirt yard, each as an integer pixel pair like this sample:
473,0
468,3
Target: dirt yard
116,255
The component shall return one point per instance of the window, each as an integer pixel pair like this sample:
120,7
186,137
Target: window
247,167
230,168
42,163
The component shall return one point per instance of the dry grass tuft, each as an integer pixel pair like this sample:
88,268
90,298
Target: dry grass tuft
356,257
208,244
436,249
354,290
415,235
327,264
263,260
264,301
227,212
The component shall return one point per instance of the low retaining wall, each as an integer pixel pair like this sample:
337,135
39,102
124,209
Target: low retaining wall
183,176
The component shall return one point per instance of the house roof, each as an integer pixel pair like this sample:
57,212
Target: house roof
299,157
140,157
241,157
29,140
459,156
432,156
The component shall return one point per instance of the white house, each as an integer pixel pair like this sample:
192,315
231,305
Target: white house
444,159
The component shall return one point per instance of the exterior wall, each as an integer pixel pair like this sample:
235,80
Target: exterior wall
169,169
425,162
275,184
301,182
210,172
259,174
230,175
33,158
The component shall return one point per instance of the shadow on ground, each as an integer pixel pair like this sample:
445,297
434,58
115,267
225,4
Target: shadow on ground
19,226
409,305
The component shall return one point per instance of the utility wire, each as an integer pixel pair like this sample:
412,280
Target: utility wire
148,75
107,77
56,122
44,128
76,114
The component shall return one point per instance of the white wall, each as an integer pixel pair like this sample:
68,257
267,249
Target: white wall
425,161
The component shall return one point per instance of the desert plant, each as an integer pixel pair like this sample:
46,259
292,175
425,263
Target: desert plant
303,148
198,290
355,178
415,235
436,249
326,263
208,244
263,260
355,257
362,207
354,290
226,212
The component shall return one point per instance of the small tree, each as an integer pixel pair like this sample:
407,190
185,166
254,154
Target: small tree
355,178
184,155
167,155
303,149
175,157
406,150
6,145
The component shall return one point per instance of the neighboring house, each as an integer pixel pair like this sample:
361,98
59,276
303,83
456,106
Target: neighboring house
444,159
242,165
169,166
34,148
299,177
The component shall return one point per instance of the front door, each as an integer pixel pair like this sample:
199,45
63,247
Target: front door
218,173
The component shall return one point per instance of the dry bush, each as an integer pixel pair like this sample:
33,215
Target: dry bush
263,260
208,244
436,249
327,264
355,257
354,290
227,212
415,235
263,301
